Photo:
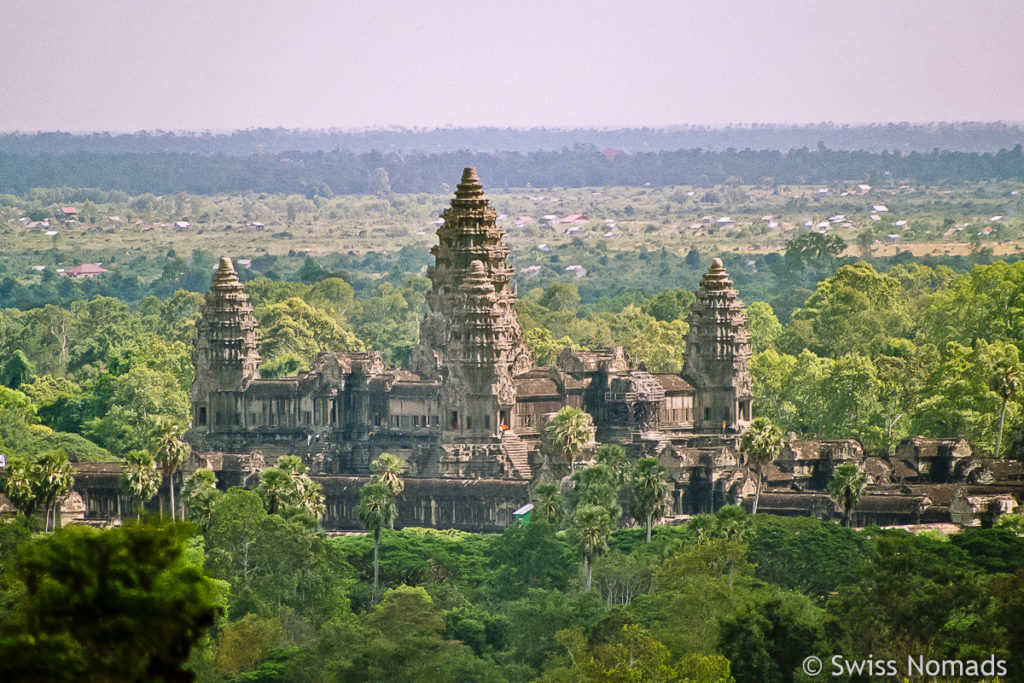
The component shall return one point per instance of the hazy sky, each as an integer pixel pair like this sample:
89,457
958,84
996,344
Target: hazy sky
219,64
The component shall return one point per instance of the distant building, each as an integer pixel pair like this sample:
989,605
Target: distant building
86,270
473,403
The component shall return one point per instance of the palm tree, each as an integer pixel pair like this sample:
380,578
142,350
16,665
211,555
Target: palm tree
548,503
292,464
388,469
277,488
170,453
732,523
613,456
198,496
762,443
846,487
1006,383
376,511
18,484
311,497
54,478
140,478
648,492
568,433
589,529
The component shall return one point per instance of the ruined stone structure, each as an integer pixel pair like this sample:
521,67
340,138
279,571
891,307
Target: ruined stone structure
717,351
473,404
468,416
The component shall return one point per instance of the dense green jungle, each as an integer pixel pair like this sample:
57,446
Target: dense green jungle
855,335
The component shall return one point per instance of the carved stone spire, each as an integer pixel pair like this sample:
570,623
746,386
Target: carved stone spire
717,354
226,351
471,338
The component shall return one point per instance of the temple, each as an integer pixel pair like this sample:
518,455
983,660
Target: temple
467,417
473,403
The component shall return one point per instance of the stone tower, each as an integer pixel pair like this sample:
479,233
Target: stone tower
225,353
717,353
470,338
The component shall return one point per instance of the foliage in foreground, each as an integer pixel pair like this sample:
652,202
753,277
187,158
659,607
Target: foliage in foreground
119,604
723,597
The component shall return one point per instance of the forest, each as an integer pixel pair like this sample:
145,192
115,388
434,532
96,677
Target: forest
914,349
326,173
246,594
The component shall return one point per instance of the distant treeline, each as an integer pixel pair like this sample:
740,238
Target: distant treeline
904,137
328,173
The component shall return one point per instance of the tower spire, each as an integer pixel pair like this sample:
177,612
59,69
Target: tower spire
471,338
717,354
226,350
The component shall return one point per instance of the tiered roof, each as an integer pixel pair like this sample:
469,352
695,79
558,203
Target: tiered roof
227,336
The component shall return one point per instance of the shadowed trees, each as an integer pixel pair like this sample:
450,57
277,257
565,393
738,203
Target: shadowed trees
113,604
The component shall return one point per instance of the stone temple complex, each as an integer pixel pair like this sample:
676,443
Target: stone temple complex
468,415
474,402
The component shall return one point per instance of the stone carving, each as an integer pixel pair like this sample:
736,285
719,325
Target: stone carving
506,391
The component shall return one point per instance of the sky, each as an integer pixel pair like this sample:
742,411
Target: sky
221,65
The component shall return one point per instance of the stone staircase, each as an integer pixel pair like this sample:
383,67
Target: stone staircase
518,455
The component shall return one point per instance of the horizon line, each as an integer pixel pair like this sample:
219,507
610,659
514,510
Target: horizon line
401,128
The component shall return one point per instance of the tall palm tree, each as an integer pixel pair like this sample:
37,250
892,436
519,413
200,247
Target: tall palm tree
140,478
568,433
376,512
170,452
548,503
846,487
1009,374
762,443
54,478
648,492
388,469
589,529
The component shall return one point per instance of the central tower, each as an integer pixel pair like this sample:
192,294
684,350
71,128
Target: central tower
470,338
717,355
